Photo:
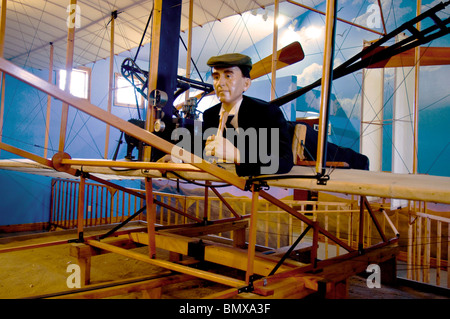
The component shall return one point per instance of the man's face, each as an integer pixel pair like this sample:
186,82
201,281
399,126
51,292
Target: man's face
229,84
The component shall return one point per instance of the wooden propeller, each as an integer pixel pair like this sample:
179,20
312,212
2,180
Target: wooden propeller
286,56
428,56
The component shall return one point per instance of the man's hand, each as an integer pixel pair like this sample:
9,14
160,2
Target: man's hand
223,149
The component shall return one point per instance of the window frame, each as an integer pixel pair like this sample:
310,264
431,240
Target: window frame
118,76
84,69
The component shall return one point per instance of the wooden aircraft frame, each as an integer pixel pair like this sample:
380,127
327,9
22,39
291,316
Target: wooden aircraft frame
317,276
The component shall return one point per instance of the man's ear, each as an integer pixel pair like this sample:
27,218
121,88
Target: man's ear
247,83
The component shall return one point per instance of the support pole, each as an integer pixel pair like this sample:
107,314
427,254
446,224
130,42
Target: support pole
189,44
361,225
205,208
49,102
80,218
163,66
69,66
2,28
151,217
252,233
274,53
111,78
416,97
315,244
327,77
153,73
2,46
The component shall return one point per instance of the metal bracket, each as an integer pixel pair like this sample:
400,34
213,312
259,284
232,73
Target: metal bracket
80,239
258,185
322,179
196,250
248,288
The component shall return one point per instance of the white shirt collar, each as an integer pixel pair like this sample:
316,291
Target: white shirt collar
234,111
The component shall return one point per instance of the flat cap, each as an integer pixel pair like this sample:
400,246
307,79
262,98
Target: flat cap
230,59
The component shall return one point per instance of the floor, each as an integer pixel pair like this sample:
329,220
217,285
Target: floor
40,271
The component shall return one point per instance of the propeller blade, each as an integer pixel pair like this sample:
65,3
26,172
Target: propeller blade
286,56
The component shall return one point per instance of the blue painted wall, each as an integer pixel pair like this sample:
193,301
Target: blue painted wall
25,198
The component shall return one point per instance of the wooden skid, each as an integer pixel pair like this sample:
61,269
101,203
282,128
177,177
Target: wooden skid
151,288
219,254
169,265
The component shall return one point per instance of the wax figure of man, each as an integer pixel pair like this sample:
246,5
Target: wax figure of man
246,131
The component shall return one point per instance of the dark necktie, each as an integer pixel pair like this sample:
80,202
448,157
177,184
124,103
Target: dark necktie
230,118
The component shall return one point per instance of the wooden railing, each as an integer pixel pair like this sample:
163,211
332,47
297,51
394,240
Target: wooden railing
426,249
106,205
103,205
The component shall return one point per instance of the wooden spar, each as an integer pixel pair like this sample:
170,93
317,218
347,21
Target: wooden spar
49,102
2,46
69,66
189,44
25,154
129,128
416,97
327,76
342,20
111,78
133,165
274,50
2,27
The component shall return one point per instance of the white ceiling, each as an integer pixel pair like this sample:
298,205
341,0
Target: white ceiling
32,24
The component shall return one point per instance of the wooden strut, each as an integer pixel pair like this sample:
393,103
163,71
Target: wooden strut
49,102
69,66
151,217
374,219
304,219
225,203
111,78
252,233
327,78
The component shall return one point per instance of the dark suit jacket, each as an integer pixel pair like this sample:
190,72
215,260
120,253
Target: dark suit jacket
257,114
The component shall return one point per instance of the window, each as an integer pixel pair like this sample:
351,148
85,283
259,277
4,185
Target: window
79,82
124,94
